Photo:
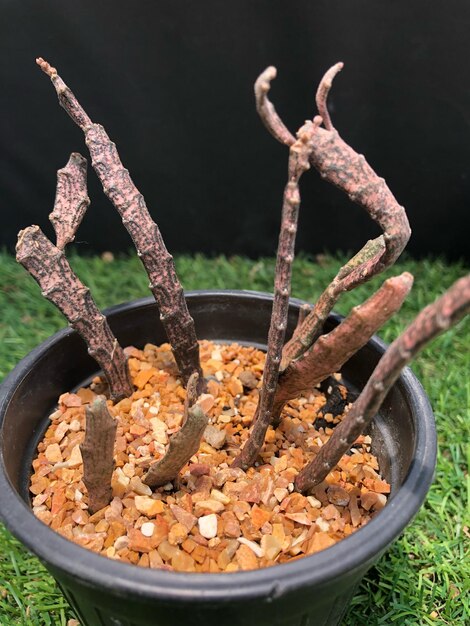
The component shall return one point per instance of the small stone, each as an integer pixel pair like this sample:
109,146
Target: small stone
314,503
138,542
337,495
53,453
178,533
206,402
254,547
147,529
248,379
75,458
199,469
271,546
231,525
246,558
119,483
221,497
148,506
121,543
138,487
184,517
137,430
280,494
208,505
235,387
214,437
319,541
159,430
208,526
322,524
60,431
372,500
251,493
70,400
300,518
183,562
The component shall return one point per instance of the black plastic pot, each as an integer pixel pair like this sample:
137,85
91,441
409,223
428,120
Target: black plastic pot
314,590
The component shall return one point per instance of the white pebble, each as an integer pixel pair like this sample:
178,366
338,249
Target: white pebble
253,546
147,529
208,526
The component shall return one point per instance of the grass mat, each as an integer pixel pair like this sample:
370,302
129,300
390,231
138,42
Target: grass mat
425,577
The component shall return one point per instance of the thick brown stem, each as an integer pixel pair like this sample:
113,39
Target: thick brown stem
331,351
431,322
308,331
129,202
59,284
71,200
340,165
298,164
183,444
98,454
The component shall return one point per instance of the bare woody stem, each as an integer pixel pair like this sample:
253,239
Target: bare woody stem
340,165
130,204
331,351
98,454
183,444
48,266
71,201
311,326
431,322
298,164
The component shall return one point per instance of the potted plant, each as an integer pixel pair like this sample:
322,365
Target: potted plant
230,482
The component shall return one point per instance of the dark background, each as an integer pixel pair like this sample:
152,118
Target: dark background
172,84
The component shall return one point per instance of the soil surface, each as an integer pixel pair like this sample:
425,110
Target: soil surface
213,518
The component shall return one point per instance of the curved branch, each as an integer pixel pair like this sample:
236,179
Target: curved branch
266,110
340,165
431,322
321,96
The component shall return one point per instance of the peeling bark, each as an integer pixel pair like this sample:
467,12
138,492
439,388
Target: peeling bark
183,444
60,285
298,163
431,322
130,204
98,454
71,200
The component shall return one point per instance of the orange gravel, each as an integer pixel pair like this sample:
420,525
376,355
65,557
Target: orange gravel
213,518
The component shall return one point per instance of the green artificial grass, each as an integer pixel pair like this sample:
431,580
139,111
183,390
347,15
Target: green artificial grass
424,578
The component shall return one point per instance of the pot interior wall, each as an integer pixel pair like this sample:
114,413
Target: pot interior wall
64,364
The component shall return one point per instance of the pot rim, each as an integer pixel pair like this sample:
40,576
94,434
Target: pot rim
361,547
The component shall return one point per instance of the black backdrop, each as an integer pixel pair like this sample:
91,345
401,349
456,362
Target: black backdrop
172,84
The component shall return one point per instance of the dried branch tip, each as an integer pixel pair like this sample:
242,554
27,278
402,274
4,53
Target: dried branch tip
46,67
263,82
322,94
